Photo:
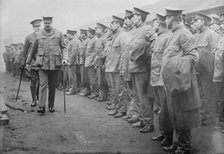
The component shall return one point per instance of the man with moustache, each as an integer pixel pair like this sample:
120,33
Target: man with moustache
179,77
50,49
33,70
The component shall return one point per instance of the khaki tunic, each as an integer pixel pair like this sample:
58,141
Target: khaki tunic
50,49
90,53
183,104
82,51
219,62
73,51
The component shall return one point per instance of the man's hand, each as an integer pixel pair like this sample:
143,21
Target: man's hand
28,67
65,62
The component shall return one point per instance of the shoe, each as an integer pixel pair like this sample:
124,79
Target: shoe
166,142
126,117
112,113
109,102
70,93
111,107
34,103
158,138
133,120
92,96
51,109
147,129
137,125
171,148
119,115
41,110
181,151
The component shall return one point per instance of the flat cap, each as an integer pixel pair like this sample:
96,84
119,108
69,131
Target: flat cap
117,19
91,30
83,31
72,32
47,19
36,22
202,16
173,11
101,26
128,14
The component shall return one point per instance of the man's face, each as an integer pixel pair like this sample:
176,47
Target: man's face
48,25
36,28
214,26
135,19
109,33
169,22
114,26
99,31
128,22
199,23
156,26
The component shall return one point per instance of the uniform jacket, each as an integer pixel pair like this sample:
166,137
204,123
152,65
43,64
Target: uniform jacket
50,49
113,57
138,48
90,53
82,51
28,44
99,49
206,42
73,51
219,62
157,57
178,68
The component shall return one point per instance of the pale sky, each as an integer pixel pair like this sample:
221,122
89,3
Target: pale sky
15,15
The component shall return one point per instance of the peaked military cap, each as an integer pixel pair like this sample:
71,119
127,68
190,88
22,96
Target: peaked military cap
72,32
173,11
221,19
83,31
128,14
36,22
91,30
47,19
215,21
202,16
159,17
117,19
101,26
140,12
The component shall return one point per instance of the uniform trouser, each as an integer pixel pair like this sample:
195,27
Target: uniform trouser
102,83
140,87
165,122
114,83
48,80
34,84
82,72
206,89
60,78
72,75
183,138
91,72
65,77
220,100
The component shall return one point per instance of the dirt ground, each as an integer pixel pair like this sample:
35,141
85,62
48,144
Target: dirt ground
84,128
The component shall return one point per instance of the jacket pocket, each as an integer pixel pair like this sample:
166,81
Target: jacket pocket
58,58
40,58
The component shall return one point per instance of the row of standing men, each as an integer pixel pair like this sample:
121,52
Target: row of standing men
137,69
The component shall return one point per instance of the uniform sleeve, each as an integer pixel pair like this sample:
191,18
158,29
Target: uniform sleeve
32,52
24,54
187,44
213,40
63,47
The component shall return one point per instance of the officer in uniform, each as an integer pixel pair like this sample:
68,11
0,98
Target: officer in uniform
113,61
50,49
89,63
138,62
179,77
206,42
82,51
156,81
218,77
28,44
73,50
99,61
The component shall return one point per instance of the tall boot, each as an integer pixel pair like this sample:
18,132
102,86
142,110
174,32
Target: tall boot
34,96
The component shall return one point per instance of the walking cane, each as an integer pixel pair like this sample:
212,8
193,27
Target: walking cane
64,64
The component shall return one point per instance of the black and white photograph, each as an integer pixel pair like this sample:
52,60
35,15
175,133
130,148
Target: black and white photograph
111,77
